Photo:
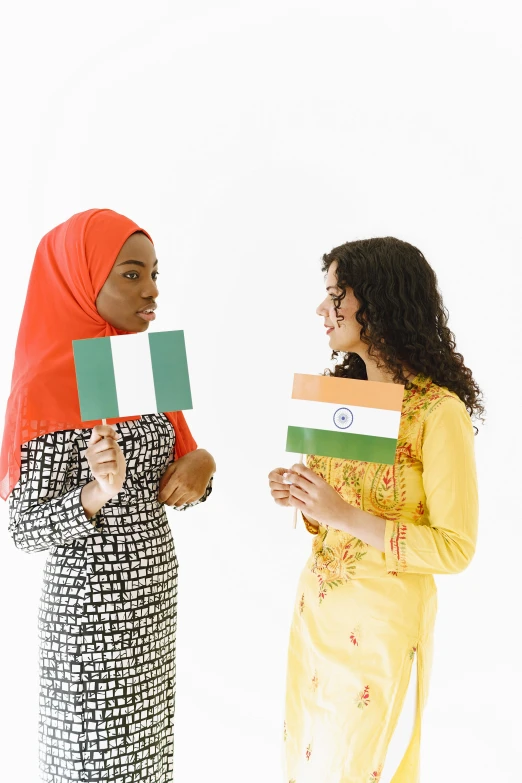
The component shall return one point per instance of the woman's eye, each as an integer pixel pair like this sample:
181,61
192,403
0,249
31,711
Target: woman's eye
155,275
131,275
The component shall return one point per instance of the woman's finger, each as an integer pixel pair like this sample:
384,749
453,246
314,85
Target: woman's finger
171,493
105,468
299,481
177,499
103,448
275,475
102,431
106,456
280,494
279,485
306,472
297,503
296,492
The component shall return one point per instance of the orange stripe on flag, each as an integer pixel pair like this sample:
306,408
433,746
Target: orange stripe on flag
348,391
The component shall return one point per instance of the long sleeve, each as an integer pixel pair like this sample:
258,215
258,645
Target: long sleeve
45,506
444,541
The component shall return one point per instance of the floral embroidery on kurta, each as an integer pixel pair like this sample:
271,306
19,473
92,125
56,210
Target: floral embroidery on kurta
418,513
336,565
412,653
355,635
387,495
301,604
308,752
363,698
375,776
398,544
285,733
315,682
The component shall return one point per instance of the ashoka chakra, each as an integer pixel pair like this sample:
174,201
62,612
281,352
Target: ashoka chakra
343,417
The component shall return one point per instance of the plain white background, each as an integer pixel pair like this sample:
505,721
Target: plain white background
249,139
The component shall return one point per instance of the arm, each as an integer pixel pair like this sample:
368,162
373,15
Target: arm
45,507
188,480
446,543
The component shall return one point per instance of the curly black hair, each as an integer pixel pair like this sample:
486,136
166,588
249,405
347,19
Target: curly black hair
403,319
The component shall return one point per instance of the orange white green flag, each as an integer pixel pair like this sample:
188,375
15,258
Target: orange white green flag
344,418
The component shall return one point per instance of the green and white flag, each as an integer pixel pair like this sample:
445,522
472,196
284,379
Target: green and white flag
132,375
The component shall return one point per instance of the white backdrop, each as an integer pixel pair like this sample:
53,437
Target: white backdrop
249,139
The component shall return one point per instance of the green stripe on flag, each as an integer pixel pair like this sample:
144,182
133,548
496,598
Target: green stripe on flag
95,377
344,445
170,370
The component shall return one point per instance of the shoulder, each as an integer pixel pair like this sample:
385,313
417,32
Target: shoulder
447,418
424,405
423,399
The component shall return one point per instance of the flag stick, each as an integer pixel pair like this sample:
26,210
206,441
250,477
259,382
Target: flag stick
110,476
294,521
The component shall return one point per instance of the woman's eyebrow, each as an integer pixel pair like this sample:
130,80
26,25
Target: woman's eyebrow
138,263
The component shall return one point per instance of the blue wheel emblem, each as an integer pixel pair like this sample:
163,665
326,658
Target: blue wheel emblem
343,417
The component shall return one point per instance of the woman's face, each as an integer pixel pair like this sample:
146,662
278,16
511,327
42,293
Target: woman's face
344,334
128,297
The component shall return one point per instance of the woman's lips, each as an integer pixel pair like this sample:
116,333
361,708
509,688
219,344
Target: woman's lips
329,329
147,316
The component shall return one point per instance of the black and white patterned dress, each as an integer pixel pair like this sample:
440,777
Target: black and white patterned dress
107,619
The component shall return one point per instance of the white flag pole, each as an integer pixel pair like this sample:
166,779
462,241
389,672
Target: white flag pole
294,521
110,476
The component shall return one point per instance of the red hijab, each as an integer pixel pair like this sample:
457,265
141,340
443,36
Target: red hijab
71,265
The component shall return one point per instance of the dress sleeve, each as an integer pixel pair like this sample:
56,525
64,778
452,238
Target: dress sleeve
45,508
444,542
311,526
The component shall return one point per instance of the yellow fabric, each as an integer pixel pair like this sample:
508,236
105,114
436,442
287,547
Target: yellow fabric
362,616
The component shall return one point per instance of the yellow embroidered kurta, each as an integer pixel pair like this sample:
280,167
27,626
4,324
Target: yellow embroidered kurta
362,616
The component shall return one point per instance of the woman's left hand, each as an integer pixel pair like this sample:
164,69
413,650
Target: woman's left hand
312,495
186,480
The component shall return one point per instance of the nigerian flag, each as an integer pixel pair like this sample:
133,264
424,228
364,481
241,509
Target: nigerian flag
345,418
132,375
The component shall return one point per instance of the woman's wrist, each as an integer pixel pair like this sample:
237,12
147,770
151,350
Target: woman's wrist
209,460
93,498
364,526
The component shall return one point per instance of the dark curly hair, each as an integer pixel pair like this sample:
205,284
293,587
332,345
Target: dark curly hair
403,319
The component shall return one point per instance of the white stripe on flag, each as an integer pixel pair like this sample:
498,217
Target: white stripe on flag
366,421
133,374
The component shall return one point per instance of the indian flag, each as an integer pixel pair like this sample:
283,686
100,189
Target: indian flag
132,375
345,418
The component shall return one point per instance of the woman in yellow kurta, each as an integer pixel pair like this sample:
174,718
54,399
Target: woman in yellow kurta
366,599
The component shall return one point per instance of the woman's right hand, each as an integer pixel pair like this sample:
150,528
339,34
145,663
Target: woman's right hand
105,456
278,489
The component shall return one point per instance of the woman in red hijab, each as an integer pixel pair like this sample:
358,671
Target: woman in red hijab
107,614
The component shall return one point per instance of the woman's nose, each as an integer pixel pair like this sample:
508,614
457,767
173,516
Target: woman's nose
151,290
322,309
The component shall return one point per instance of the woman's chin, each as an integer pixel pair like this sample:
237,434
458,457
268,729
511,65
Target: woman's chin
337,345
139,325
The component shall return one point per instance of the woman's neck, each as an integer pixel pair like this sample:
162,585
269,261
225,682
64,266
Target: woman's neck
382,375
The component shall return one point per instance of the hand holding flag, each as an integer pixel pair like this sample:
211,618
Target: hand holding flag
315,498
125,376
335,417
106,460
